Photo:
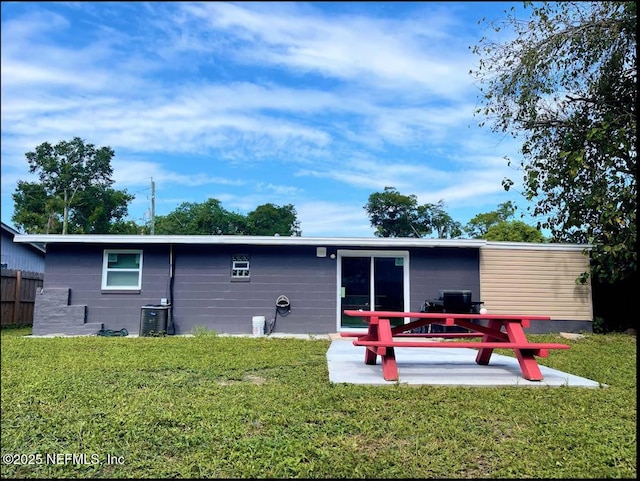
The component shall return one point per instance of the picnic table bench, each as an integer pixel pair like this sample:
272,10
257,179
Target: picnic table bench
379,339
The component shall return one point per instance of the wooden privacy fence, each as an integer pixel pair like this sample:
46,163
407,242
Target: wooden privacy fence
18,291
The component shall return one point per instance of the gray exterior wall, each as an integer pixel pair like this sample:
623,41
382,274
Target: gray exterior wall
204,295
437,268
21,257
79,268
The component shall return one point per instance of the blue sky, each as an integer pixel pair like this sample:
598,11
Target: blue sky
317,105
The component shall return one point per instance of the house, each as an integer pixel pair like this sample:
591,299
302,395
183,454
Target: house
223,282
20,257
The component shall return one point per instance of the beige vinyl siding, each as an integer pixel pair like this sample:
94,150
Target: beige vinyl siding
536,282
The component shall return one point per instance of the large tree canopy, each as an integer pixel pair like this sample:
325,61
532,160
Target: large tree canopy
497,225
513,231
74,193
481,223
36,212
269,219
210,218
393,214
100,210
396,215
566,85
206,218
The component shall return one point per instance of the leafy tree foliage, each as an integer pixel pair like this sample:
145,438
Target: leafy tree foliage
498,226
127,227
397,215
393,214
98,209
269,219
513,231
210,218
567,83
478,226
35,211
206,218
74,193
432,217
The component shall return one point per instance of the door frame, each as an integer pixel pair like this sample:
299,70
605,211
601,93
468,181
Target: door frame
340,253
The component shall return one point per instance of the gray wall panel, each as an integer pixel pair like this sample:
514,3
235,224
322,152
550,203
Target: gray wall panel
443,268
205,295
79,268
22,257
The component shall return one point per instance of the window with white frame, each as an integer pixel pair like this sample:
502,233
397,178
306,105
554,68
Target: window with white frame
240,266
122,269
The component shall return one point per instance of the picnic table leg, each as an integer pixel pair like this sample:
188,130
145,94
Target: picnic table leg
484,354
389,365
371,355
526,357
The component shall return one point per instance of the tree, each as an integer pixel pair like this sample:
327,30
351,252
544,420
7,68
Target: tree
74,185
497,226
269,219
98,209
433,217
397,215
393,214
513,231
567,83
210,218
206,218
127,227
35,212
477,227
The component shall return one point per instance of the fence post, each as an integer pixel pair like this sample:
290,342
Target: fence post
16,299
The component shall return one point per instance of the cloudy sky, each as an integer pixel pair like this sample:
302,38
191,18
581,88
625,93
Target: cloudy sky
317,105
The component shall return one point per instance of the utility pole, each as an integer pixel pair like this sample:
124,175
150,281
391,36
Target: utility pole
153,206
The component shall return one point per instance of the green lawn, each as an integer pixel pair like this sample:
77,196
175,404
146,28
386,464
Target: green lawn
210,406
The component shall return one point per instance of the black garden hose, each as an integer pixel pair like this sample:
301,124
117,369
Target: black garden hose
112,333
283,307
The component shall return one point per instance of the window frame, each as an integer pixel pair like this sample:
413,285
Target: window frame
106,270
241,259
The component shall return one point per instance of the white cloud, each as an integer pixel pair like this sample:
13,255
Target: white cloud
319,217
216,99
135,173
385,53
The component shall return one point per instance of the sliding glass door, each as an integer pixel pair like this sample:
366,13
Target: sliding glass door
371,281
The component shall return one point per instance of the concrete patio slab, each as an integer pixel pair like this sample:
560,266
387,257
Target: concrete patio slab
441,367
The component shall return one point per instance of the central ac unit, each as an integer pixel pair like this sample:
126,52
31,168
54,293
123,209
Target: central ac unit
153,319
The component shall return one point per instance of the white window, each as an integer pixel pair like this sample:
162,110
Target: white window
122,270
240,266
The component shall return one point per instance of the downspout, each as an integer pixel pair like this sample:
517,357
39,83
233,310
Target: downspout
171,278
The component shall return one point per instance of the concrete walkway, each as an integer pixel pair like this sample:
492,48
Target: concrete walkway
441,367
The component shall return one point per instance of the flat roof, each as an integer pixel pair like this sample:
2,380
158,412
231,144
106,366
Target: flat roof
384,242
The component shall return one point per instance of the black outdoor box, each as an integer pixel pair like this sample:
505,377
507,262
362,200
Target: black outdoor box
154,319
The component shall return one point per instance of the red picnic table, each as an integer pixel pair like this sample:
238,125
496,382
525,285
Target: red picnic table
379,339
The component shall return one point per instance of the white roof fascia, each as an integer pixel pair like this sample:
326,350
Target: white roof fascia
535,246
247,240
285,240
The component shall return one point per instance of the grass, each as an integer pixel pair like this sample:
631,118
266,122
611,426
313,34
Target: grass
212,406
